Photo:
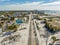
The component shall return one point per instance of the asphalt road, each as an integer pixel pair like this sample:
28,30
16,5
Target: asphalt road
32,38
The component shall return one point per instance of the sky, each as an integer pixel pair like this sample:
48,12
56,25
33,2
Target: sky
29,4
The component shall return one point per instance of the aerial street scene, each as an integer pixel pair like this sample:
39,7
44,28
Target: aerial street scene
29,22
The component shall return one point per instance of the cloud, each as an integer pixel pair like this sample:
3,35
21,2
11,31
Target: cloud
53,3
29,3
24,6
33,5
50,6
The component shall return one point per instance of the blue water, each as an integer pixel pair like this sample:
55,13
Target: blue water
19,21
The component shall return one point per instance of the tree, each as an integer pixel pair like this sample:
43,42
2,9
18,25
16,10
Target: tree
54,39
12,18
12,27
23,14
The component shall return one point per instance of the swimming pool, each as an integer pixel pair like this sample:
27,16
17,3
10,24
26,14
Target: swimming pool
18,21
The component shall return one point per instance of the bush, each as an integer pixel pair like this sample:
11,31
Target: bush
11,27
54,39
